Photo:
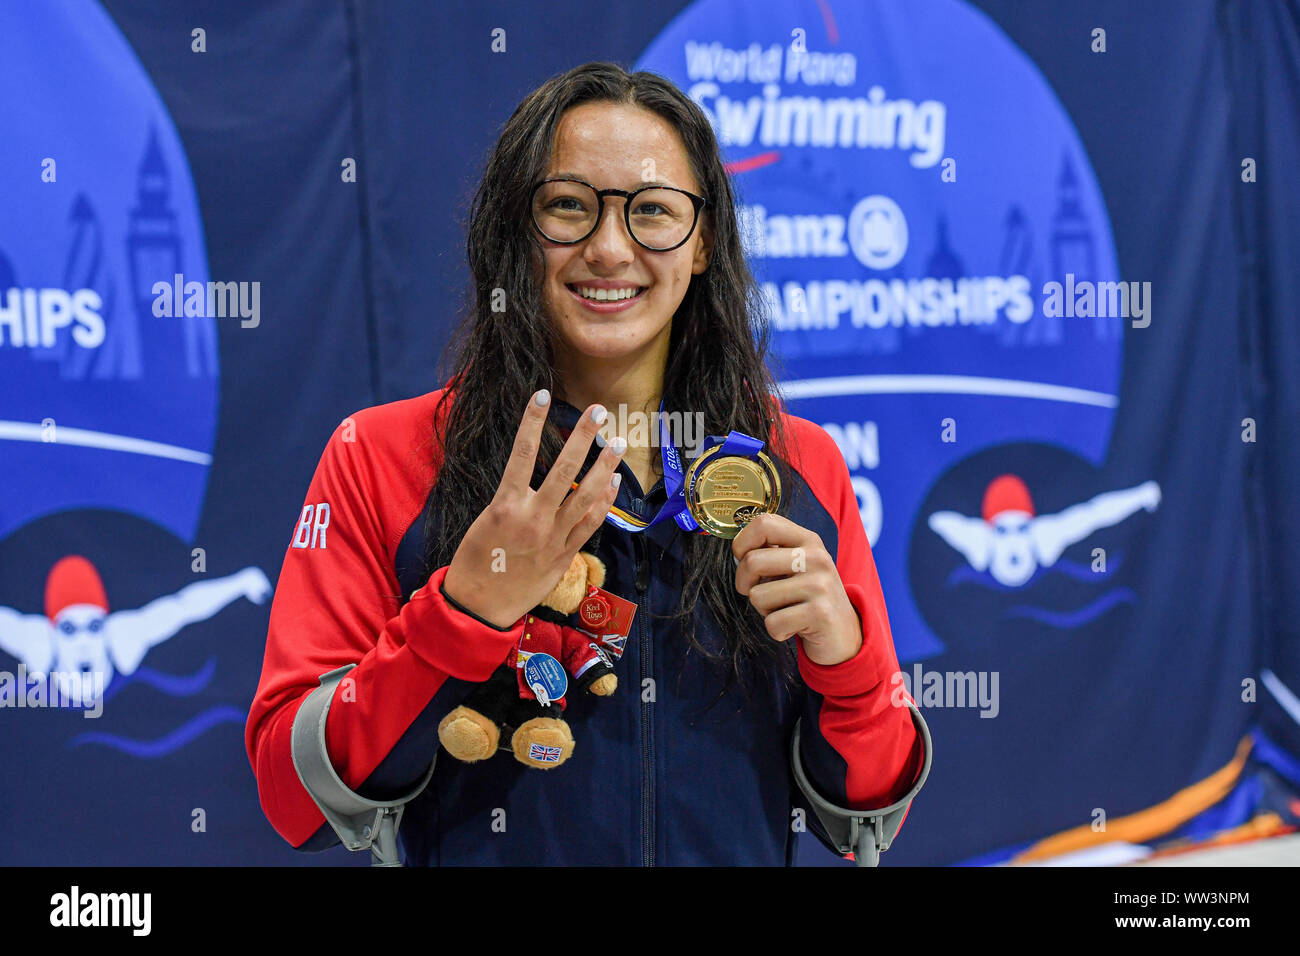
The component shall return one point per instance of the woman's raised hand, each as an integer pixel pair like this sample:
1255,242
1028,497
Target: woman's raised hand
524,540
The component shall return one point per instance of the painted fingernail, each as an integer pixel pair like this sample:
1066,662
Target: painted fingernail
735,560
615,480
543,397
618,445
600,439
598,414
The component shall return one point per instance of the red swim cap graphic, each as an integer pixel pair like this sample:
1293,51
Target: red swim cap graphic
73,580
1006,493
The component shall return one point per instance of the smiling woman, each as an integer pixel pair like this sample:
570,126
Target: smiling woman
602,261
606,225
555,215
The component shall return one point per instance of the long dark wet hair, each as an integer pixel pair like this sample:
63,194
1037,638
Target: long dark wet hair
717,353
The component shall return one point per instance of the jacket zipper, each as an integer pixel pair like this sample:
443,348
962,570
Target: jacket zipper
647,725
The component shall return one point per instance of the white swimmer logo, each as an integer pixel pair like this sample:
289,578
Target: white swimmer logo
1011,542
78,641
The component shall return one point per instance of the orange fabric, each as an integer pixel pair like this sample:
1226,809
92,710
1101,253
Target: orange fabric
1149,823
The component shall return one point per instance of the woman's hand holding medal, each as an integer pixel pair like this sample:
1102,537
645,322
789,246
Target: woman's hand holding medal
537,532
790,578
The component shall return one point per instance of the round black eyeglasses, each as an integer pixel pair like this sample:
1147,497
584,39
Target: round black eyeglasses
658,218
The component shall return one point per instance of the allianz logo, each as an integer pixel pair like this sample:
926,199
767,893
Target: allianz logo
874,232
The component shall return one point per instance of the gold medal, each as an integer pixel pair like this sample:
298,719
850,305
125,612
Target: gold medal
725,492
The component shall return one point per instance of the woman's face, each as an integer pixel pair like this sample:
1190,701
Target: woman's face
613,146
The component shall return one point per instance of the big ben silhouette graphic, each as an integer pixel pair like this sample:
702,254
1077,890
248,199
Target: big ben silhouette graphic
1074,247
155,254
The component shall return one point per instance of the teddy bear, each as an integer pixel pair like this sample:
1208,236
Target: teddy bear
528,693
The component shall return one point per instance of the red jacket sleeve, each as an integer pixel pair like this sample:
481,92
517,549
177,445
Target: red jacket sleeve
859,746
336,602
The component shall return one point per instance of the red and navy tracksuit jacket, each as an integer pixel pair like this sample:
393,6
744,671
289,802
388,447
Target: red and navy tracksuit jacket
657,775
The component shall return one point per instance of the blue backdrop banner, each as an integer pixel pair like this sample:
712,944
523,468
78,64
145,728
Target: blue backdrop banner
1037,282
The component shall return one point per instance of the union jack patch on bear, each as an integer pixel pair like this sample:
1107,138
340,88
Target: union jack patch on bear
543,753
